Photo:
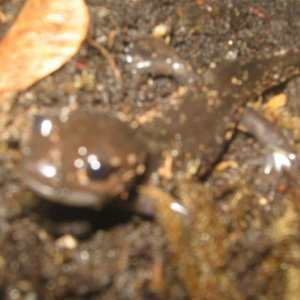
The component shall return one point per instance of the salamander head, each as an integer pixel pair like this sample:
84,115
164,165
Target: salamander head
83,159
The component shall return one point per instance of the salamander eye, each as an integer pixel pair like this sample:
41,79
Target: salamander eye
96,169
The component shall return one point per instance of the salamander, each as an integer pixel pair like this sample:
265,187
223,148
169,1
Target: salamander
88,157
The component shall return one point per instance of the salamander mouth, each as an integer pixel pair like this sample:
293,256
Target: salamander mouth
65,196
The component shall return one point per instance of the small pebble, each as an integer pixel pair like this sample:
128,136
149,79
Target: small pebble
67,242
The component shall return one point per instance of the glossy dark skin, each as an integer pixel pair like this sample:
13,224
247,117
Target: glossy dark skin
193,129
203,119
85,158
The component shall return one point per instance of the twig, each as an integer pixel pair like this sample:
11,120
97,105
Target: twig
108,57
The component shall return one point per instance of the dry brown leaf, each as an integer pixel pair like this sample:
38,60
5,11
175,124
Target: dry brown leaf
277,101
45,35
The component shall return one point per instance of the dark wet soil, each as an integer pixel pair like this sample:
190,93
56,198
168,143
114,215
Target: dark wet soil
240,239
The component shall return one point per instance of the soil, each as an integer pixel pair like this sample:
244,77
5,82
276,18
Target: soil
240,238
